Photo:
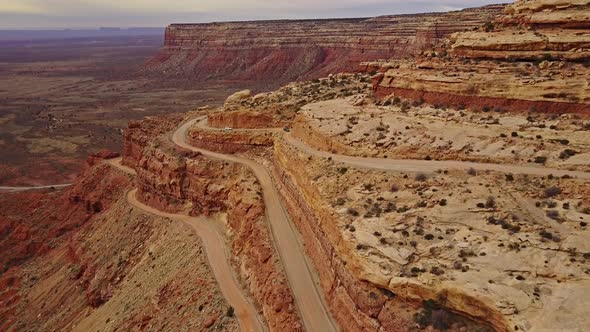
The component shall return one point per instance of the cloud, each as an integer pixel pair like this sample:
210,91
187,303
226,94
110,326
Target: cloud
20,8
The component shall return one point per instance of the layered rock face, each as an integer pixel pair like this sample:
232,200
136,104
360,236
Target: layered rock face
174,180
140,133
82,259
528,29
493,66
282,51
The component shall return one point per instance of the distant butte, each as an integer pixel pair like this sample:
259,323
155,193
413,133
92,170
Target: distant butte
285,50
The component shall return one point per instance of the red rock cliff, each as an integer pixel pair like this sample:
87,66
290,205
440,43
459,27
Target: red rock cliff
282,51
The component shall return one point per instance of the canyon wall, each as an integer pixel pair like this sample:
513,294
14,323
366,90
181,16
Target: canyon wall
83,259
174,180
287,50
360,299
533,57
230,141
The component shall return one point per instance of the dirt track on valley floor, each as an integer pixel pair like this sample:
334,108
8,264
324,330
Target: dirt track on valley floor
217,255
307,293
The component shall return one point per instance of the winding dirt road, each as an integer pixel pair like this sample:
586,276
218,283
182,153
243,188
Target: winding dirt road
217,254
314,311
300,273
306,291
411,165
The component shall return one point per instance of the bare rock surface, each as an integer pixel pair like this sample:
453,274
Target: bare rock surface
276,52
533,57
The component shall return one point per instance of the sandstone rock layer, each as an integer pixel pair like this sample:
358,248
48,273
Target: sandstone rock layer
534,57
282,51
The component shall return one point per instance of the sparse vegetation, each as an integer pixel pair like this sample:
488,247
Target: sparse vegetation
490,202
551,191
435,315
553,214
540,160
353,212
421,177
229,312
567,153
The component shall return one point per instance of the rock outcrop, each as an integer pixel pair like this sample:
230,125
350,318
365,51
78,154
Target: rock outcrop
83,259
139,133
174,180
283,51
243,120
530,30
493,67
360,299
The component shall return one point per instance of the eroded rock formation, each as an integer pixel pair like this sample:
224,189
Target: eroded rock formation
174,180
83,259
282,51
532,58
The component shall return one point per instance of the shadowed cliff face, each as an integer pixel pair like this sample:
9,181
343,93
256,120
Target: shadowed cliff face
282,51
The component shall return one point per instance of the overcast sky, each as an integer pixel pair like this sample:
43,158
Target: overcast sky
133,13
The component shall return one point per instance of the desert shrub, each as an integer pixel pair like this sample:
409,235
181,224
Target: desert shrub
509,177
418,102
96,207
390,207
421,177
551,204
540,159
567,153
490,202
405,105
552,191
342,170
546,235
229,312
514,134
547,57
353,212
471,171
553,214
488,26
433,314
403,209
